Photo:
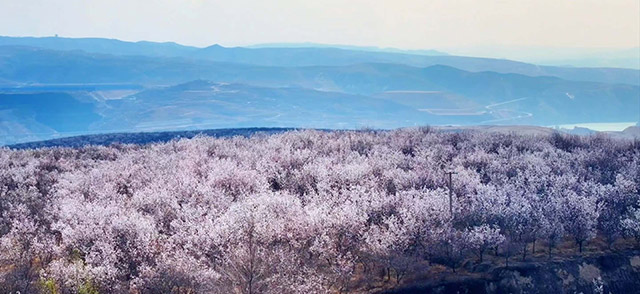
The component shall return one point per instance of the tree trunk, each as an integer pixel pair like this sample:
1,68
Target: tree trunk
580,246
533,250
28,277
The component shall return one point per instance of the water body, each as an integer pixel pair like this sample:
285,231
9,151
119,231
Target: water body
600,127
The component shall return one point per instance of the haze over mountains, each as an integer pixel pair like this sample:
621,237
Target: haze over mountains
559,56
52,87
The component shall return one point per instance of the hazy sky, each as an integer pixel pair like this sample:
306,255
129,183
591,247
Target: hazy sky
410,24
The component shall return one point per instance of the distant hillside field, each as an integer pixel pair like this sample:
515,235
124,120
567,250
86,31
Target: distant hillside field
456,98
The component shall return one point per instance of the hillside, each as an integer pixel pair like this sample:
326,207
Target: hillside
461,98
198,105
355,212
143,138
30,65
404,96
319,56
107,86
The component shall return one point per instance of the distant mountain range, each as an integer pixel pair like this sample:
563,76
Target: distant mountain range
348,47
560,56
293,57
20,65
56,87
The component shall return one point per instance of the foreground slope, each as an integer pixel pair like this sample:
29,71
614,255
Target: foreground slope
322,212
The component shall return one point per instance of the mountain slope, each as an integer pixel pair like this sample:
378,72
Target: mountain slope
321,56
101,45
43,115
198,105
201,104
379,95
556,100
29,65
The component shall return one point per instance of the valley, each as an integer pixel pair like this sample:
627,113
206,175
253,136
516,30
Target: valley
102,86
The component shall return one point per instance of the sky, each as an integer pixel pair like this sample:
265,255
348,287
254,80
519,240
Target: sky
408,24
